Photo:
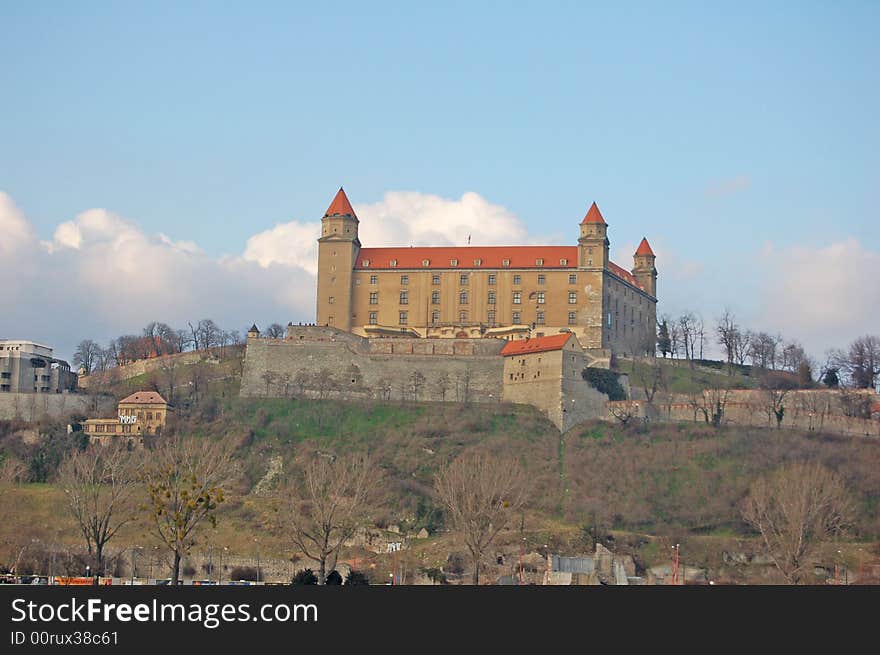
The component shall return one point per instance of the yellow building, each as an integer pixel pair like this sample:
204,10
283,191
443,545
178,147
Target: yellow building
143,412
479,291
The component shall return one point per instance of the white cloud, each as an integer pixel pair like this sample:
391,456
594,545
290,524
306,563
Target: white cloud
824,296
401,218
15,230
101,276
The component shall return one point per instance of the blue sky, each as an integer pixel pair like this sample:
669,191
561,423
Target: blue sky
723,132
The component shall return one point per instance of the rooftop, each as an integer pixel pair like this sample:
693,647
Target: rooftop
143,398
536,345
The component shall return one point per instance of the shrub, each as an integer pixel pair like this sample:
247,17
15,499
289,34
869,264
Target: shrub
357,578
604,381
306,576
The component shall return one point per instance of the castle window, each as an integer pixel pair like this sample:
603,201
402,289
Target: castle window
402,318
365,263
462,317
374,318
609,319
539,262
540,297
331,300
463,298
572,297
374,279
491,297
540,318
435,317
517,317
404,279
453,262
563,262
517,297
573,279
542,279
435,279
393,263
491,318
517,279
478,262
590,262
463,278
426,263
492,278
572,318
404,297
374,297
505,262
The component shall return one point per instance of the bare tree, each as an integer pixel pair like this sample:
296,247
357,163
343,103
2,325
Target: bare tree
795,508
269,378
168,368
443,385
87,355
650,375
861,362
187,479
417,382
301,382
275,331
623,410
687,325
99,483
727,331
328,502
480,493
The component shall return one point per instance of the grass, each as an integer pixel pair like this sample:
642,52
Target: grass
680,378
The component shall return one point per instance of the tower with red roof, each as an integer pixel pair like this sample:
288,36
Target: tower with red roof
593,243
338,249
643,267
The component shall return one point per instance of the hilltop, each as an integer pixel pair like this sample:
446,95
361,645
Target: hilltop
633,487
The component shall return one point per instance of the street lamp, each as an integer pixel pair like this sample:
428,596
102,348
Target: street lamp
257,542
220,578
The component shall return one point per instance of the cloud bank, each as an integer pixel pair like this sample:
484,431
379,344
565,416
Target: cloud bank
826,296
101,274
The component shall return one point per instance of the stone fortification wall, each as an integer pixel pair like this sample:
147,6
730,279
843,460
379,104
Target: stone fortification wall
322,362
810,410
36,406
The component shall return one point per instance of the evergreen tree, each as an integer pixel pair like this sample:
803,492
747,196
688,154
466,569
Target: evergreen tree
664,344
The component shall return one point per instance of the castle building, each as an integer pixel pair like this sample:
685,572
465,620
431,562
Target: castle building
486,291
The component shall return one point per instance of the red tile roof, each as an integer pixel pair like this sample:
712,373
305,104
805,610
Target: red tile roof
489,257
645,248
143,397
624,275
536,345
594,215
340,205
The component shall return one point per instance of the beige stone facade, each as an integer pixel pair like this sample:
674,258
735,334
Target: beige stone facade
141,413
476,291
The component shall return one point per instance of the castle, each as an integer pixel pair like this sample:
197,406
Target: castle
464,324
486,291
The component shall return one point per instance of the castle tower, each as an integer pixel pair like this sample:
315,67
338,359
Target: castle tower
253,332
337,253
643,267
593,242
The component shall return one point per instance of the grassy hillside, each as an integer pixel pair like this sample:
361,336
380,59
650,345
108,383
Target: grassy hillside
637,488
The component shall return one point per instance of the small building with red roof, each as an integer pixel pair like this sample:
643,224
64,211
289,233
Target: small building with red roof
478,291
547,372
138,414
